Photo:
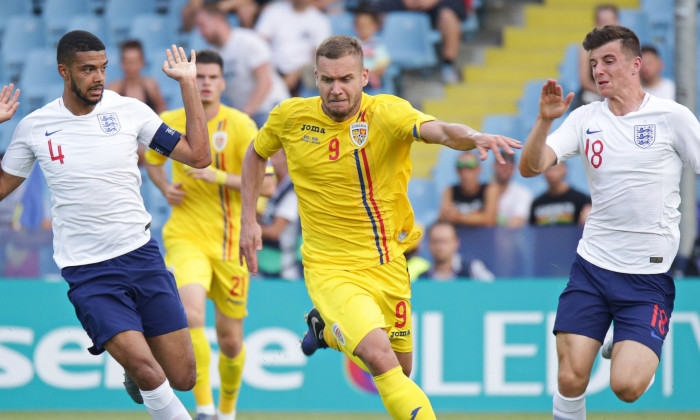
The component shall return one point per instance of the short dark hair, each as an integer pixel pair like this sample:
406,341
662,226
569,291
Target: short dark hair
338,46
209,57
442,222
211,8
650,49
133,44
76,41
609,33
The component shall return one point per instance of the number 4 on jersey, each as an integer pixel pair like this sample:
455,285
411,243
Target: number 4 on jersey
59,156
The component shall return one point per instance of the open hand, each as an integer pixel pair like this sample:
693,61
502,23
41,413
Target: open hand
552,102
177,67
8,102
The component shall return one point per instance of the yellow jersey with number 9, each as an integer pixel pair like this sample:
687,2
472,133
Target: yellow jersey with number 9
350,178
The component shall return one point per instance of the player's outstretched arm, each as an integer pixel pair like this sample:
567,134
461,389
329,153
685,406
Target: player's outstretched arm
8,102
462,137
252,174
537,156
193,147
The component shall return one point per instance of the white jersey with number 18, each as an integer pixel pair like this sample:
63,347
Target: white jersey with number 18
633,164
90,165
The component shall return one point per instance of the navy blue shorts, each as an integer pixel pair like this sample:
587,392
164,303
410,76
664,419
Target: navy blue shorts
130,292
640,305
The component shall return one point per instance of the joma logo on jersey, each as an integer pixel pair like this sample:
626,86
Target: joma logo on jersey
313,128
109,123
644,135
400,333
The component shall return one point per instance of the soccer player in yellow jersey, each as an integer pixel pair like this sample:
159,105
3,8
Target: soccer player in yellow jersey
348,157
201,236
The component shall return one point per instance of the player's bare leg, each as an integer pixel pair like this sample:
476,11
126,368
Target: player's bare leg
576,356
632,369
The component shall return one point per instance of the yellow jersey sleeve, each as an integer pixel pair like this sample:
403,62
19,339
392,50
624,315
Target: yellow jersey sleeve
398,117
268,140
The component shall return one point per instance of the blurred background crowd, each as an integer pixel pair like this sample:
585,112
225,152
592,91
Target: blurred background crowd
479,62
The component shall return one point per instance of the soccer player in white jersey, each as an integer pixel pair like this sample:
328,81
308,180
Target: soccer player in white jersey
86,143
633,146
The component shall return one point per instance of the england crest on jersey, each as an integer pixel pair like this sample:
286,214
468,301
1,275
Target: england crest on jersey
358,133
644,135
109,123
219,140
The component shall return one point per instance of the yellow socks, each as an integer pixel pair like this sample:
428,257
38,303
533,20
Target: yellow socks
231,371
202,353
403,399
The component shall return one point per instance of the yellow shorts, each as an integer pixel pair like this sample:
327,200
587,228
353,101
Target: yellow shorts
226,282
353,303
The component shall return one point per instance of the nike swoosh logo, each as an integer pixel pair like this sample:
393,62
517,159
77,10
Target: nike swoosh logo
588,131
414,413
51,133
653,334
314,321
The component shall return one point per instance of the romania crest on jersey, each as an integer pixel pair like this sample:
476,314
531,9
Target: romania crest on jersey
219,140
358,133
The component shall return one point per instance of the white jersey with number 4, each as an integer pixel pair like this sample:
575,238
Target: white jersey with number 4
633,165
90,165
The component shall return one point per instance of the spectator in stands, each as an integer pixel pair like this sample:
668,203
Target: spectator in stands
293,28
514,200
605,14
650,75
247,11
467,203
252,85
376,55
280,226
560,204
134,84
446,16
448,264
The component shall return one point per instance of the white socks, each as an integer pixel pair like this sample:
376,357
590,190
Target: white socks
229,416
162,404
564,408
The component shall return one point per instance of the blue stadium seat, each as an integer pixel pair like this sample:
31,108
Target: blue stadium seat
659,14
637,21
56,15
342,24
21,35
409,39
40,80
425,200
528,104
119,15
154,32
114,68
568,69
91,23
504,124
12,8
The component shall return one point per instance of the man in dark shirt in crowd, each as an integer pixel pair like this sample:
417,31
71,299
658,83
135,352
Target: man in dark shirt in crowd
560,204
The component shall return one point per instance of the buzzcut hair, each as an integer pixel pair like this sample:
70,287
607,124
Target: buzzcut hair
650,49
209,57
609,33
133,44
608,6
212,9
338,46
74,42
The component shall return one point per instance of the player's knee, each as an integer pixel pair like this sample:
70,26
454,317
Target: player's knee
230,344
571,383
195,317
185,378
627,390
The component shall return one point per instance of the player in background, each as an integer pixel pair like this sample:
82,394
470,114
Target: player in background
348,157
633,146
201,236
86,143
